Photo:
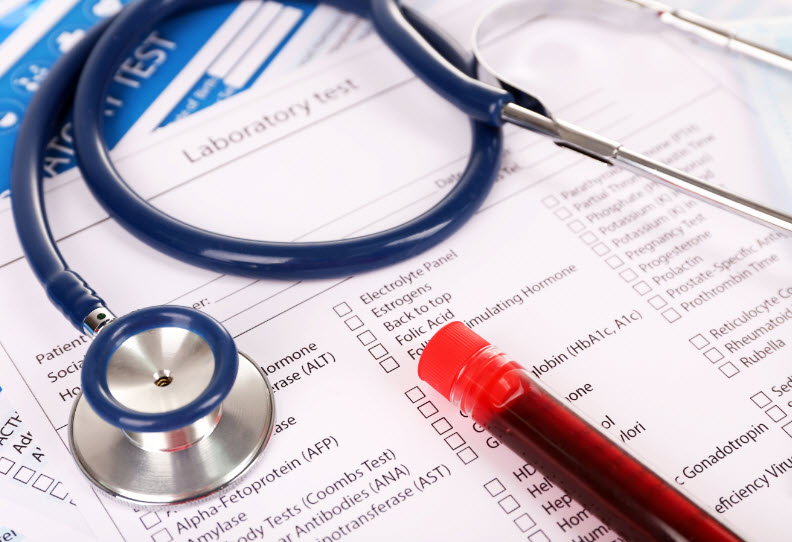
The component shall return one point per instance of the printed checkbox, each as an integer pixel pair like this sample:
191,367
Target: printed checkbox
600,249
415,394
24,474
713,354
525,523
761,399
354,323
454,440
163,535
550,202
427,409
389,364
377,351
43,482
59,492
699,341
628,275
657,302
494,487
366,338
787,427
775,413
588,238
150,519
342,309
729,369
442,426
563,213
509,504
642,288
6,465
576,226
671,315
539,536
467,455
614,262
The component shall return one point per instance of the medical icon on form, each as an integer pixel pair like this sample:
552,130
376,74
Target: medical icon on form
66,39
10,115
28,79
105,8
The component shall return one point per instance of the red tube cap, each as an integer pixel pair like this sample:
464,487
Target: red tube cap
445,355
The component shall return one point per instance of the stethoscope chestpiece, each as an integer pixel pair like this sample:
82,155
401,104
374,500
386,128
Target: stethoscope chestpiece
170,411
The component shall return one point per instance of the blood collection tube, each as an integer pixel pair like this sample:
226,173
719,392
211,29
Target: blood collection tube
500,395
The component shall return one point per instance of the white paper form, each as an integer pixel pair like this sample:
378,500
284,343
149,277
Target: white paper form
662,320
36,498
251,38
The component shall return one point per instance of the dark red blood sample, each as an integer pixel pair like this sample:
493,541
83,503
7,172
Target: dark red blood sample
501,396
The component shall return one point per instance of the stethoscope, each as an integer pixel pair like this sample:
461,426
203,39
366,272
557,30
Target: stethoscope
170,410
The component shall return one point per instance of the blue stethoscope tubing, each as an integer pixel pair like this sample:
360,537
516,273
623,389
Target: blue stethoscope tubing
84,72
430,53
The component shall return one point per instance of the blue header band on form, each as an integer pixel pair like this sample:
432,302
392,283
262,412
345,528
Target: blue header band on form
19,83
158,60
210,89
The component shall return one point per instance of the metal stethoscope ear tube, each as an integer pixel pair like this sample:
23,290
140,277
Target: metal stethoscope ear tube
633,14
170,411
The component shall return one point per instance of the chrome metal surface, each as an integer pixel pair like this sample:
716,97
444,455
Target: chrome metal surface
135,475
506,17
530,120
715,33
703,191
612,152
96,320
160,370
633,15
564,133
511,15
172,441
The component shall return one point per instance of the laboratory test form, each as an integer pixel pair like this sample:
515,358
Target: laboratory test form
662,321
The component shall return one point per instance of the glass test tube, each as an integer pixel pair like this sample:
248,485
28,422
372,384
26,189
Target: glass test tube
500,395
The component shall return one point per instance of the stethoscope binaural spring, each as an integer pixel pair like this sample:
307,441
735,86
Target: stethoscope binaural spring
645,15
171,411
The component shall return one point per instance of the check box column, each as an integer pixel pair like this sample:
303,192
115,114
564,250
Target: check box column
728,369
713,355
24,474
562,213
614,262
427,409
551,202
761,399
671,315
342,309
699,341
6,465
415,394
657,302
642,287
354,323
150,519
775,413
59,492
494,487
43,482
